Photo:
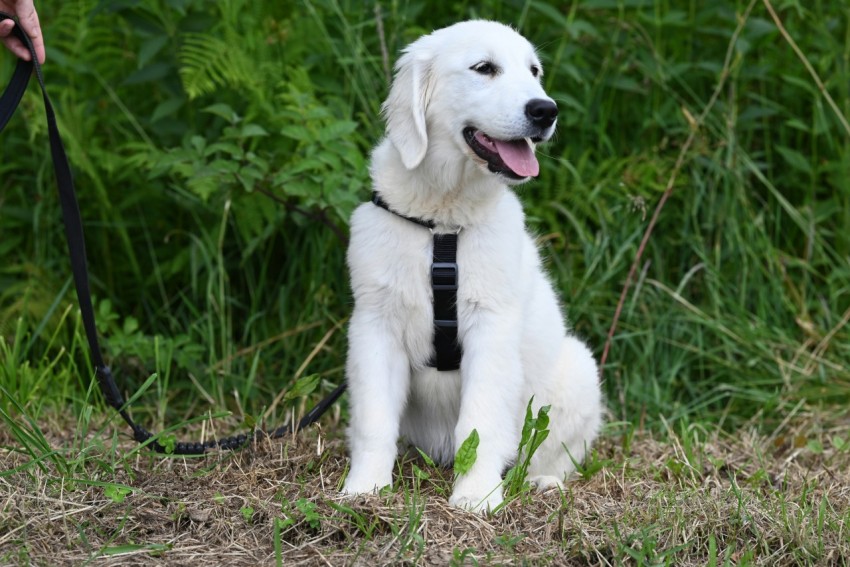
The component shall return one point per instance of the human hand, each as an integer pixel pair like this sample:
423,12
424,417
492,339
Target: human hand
24,10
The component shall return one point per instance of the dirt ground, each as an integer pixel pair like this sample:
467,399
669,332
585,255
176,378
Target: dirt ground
748,499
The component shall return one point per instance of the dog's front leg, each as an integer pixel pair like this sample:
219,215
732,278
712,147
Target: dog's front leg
492,382
378,376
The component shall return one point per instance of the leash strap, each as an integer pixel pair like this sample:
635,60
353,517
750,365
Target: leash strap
448,351
79,267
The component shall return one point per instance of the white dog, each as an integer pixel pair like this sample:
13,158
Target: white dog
463,115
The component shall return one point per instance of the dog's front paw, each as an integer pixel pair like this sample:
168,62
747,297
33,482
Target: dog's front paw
480,490
350,490
364,481
479,503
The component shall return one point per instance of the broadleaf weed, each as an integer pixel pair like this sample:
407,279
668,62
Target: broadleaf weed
467,453
535,430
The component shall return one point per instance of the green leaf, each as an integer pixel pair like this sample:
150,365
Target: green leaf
309,510
542,421
307,164
553,14
116,493
134,548
131,325
151,73
208,62
795,159
797,124
336,130
297,132
536,440
223,110
514,476
534,432
428,460
198,142
420,474
229,148
168,442
627,84
247,513
527,425
302,387
467,453
252,130
801,83
166,108
150,48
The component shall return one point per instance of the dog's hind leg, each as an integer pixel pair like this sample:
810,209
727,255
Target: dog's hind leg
574,418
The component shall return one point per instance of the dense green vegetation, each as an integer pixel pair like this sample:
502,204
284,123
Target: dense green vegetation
219,147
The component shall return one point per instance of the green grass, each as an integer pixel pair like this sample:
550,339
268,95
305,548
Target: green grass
218,149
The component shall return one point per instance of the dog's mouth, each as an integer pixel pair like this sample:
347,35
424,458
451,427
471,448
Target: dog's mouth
511,158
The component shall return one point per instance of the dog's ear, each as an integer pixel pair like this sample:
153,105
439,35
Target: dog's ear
406,105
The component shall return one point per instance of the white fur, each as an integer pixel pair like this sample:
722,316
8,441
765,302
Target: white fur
515,341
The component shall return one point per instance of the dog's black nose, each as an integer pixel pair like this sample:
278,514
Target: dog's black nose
541,112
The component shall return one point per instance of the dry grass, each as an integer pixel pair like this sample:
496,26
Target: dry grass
688,500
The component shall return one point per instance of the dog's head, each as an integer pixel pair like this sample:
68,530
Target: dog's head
474,86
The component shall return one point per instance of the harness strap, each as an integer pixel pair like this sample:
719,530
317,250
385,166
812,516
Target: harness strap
444,282
77,251
448,351
377,200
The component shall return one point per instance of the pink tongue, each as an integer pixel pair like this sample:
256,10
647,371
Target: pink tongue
519,157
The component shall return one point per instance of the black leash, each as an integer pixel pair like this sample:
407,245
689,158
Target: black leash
77,250
448,351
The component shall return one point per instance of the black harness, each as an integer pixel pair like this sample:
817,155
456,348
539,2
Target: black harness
444,283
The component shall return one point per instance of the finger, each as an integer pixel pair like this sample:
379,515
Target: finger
6,27
30,24
11,42
18,48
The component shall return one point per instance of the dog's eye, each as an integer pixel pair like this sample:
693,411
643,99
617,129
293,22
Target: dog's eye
535,71
485,68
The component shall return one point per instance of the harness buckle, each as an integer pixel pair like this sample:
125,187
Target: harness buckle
444,276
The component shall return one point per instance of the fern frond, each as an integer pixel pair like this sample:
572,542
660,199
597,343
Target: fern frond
87,39
207,63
